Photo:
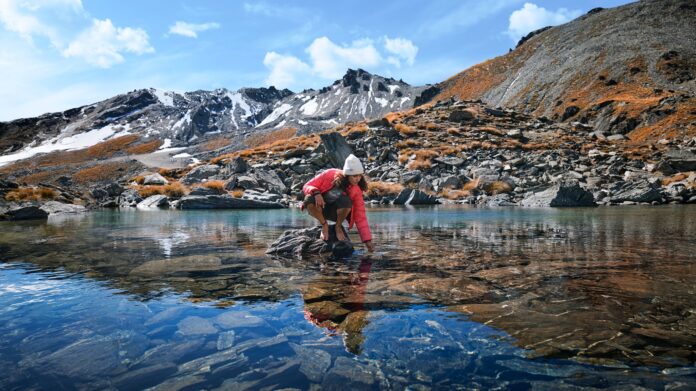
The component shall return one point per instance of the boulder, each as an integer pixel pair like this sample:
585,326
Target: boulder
674,161
299,243
451,182
247,182
110,190
270,180
450,160
411,177
414,197
200,173
129,198
497,200
237,166
155,179
258,196
461,115
154,201
563,194
224,202
56,208
336,147
640,190
204,191
23,212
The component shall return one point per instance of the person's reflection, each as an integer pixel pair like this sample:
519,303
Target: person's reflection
337,303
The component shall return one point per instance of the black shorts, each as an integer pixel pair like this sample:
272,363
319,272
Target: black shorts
334,199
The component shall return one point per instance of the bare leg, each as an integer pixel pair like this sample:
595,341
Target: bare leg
318,213
341,215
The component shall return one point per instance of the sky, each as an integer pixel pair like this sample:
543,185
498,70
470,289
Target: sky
60,54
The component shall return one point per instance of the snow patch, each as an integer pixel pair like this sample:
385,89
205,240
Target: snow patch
382,102
310,107
302,122
284,108
181,155
166,144
165,97
392,88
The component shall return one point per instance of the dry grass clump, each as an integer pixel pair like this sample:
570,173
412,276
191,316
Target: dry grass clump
110,147
216,185
214,144
471,185
103,172
454,131
408,143
258,140
452,194
30,194
360,128
237,193
674,178
175,190
139,179
419,165
417,159
382,189
148,147
431,126
150,190
406,130
497,187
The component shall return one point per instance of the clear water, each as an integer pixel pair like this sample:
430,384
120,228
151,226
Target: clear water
453,298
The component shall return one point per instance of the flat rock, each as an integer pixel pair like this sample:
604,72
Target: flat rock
23,212
173,265
298,243
56,208
640,190
238,319
154,201
450,160
200,173
414,197
224,202
195,325
563,194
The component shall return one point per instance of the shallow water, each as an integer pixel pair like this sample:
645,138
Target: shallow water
453,298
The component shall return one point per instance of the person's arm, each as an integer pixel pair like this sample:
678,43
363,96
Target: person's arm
359,217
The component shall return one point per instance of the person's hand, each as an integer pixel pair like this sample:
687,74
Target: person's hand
319,200
370,246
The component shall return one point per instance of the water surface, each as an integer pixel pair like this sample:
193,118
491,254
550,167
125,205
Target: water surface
453,298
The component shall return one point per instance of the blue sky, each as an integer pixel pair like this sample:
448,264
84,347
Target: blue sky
59,54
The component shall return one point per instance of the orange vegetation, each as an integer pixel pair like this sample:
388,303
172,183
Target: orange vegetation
102,172
216,185
497,187
30,194
381,189
174,189
257,140
148,147
215,143
237,193
451,194
406,130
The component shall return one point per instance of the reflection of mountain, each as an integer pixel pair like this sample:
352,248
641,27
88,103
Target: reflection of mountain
605,285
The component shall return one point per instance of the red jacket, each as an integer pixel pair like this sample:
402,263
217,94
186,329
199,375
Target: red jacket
324,182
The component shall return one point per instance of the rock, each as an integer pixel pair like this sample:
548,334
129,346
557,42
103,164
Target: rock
497,200
238,320
5,184
569,112
231,183
247,182
129,198
200,173
315,362
674,161
450,160
110,190
154,201
224,202
177,265
56,208
265,196
337,149
302,242
461,115
414,197
640,190
271,181
450,182
225,340
616,137
194,325
291,162
425,185
23,212
494,112
155,179
409,177
204,191
563,194
237,166
515,133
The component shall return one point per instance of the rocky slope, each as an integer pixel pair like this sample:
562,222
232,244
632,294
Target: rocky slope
191,118
629,70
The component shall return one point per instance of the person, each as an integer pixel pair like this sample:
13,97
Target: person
337,195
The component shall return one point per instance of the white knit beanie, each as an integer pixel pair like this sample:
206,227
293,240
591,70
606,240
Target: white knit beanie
352,166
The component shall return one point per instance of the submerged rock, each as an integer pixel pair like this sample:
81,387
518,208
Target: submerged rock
300,242
561,195
224,202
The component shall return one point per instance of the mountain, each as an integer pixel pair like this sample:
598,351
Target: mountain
628,70
187,119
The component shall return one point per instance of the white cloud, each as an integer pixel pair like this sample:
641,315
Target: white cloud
532,17
285,70
25,17
329,61
102,44
402,49
191,29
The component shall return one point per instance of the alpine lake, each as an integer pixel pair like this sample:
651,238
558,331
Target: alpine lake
453,297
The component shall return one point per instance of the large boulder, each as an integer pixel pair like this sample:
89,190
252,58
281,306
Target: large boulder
57,208
247,182
415,197
237,166
129,198
299,243
200,173
154,201
563,194
224,202
337,148
23,212
640,190
107,191
677,161
154,179
270,180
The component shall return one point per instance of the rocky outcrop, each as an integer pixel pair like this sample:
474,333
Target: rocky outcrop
336,147
154,201
200,173
300,243
564,194
641,190
223,202
679,160
415,197
129,198
22,212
